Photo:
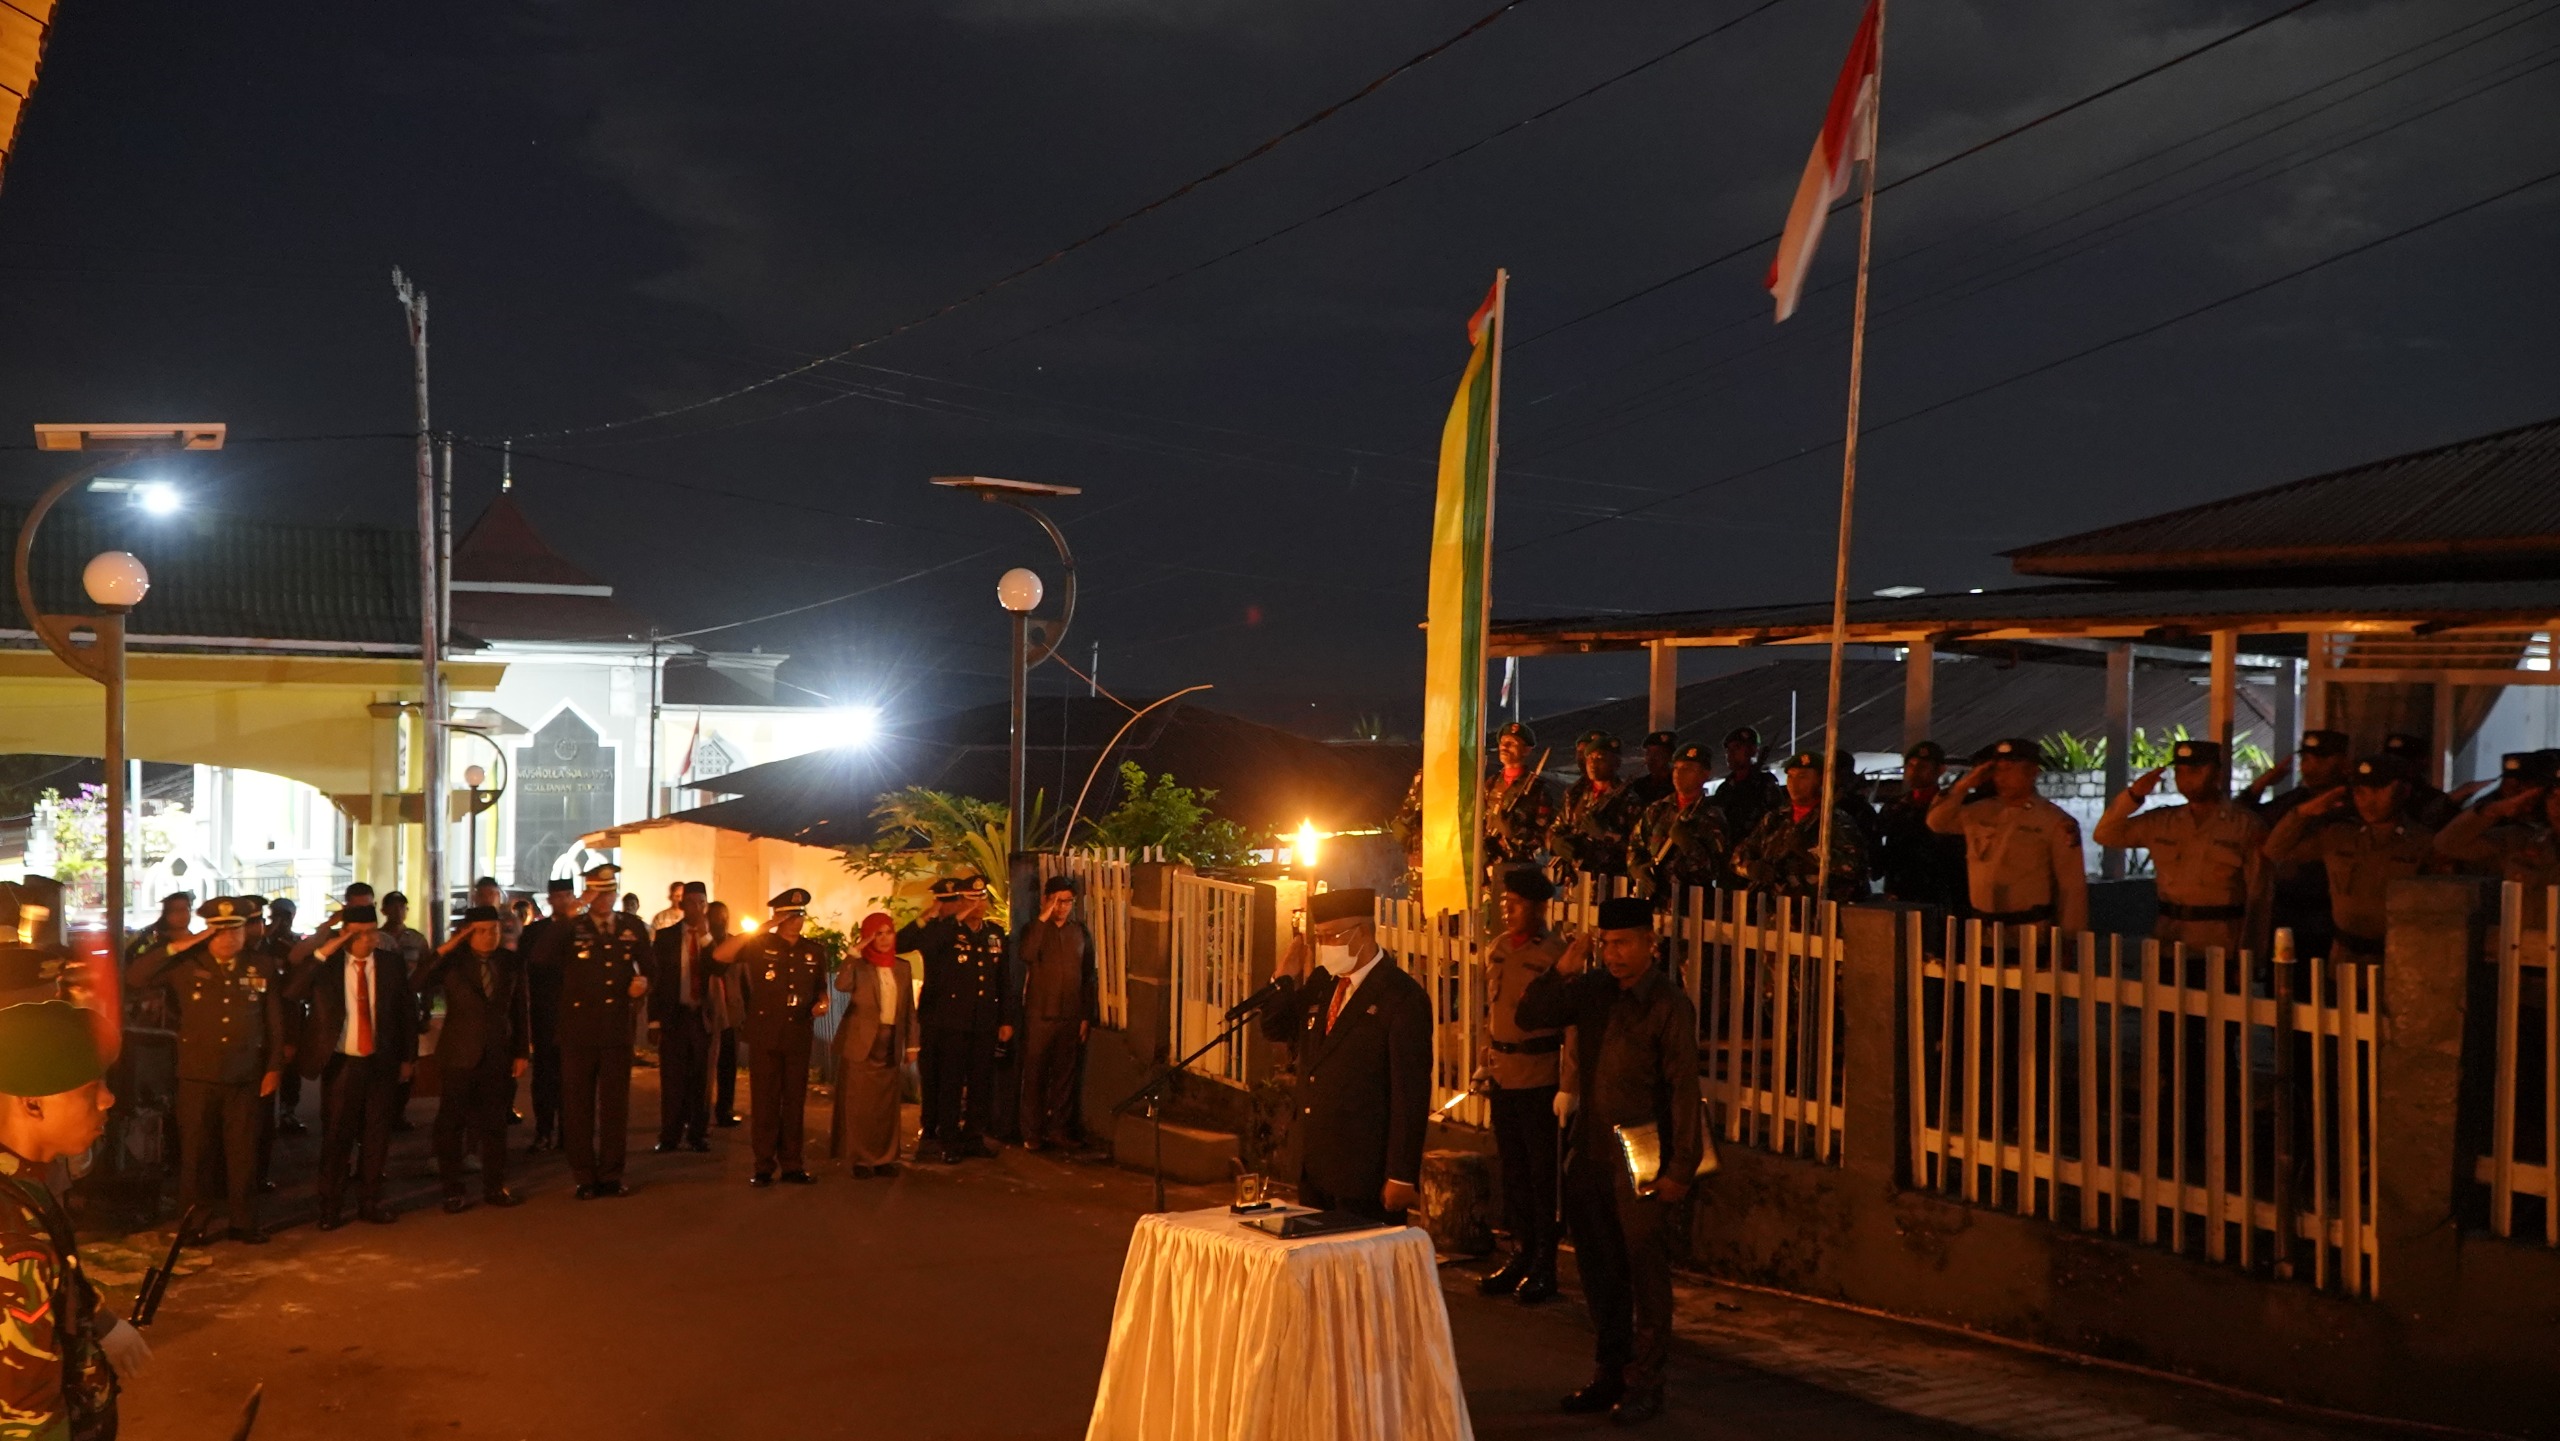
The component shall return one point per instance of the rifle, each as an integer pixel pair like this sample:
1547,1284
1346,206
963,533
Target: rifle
155,1281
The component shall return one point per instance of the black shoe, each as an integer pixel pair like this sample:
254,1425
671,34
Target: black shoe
502,1198
1506,1280
515,1118
699,1143
456,1205
377,1213
1603,1393
760,1179
291,1125
663,1147
331,1220
608,1190
798,1178
249,1235
586,1191
862,1173
1638,1407
1540,1284
266,1188
885,1169
727,1123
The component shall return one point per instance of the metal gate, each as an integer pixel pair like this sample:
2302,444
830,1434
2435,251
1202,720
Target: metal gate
1212,967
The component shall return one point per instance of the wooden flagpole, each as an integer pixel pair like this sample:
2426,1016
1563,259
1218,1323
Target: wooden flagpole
1849,473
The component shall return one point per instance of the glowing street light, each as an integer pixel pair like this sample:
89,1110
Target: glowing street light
1308,841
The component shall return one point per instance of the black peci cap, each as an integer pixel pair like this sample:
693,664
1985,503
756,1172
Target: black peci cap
1325,907
477,914
1626,913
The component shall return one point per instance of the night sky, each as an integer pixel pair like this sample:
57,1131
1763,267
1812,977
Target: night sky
624,208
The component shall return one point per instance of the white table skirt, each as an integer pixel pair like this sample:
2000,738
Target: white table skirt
1226,1333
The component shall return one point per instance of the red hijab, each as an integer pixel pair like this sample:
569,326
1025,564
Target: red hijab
883,951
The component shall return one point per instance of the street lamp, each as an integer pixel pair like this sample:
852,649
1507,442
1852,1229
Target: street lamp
115,582
1020,593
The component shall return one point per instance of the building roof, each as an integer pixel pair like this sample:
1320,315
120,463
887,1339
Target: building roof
2488,503
510,584
1266,779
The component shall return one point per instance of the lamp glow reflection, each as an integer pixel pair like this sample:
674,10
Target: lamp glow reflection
1308,843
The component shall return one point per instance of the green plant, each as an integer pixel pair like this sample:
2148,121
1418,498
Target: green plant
1173,817
2064,751
925,832
832,943
79,830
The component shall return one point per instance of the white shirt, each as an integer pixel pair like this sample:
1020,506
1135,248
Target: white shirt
885,978
359,982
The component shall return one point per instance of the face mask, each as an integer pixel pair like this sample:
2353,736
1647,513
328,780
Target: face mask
1336,959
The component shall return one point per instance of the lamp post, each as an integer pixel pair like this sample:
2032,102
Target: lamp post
115,582
1020,593
472,776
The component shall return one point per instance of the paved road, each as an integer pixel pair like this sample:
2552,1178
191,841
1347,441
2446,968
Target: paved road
969,1302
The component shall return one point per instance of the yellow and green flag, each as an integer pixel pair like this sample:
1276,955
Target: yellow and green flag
1454,645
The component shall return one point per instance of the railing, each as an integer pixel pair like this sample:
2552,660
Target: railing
2149,1093
2524,1135
1103,878
1212,967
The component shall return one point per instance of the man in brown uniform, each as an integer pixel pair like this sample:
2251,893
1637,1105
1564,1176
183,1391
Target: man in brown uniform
2382,846
1053,1009
786,983
2515,838
2206,855
2023,862
1517,1070
231,1044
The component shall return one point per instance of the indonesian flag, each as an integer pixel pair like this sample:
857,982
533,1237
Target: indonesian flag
1848,137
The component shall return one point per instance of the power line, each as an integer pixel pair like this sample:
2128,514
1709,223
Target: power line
1219,172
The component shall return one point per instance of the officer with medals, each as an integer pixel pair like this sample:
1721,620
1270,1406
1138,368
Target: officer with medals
1518,804
2205,854
1781,854
960,1016
785,975
231,1043
1682,840
603,971
61,1352
1589,837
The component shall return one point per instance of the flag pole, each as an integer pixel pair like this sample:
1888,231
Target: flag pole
1849,473
1484,605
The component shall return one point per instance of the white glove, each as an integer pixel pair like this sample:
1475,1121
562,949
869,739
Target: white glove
127,1352
1566,1104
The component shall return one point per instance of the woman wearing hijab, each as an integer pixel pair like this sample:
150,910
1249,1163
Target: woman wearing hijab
871,1049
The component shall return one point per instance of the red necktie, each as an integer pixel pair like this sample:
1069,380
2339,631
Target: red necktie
1341,993
364,1007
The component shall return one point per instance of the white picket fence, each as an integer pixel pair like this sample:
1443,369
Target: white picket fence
2151,1093
2524,1135
1102,877
1212,967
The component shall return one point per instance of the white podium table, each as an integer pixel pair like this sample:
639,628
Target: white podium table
1226,1333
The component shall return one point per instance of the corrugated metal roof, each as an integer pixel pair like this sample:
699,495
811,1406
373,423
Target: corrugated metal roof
2494,497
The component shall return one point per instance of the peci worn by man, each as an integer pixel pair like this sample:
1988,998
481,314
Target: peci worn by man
1056,998
485,1046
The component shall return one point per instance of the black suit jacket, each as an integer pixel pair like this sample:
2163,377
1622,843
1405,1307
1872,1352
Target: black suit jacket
323,981
481,1025
666,976
1364,1088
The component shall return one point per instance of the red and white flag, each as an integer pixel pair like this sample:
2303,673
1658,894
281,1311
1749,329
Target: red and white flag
1848,137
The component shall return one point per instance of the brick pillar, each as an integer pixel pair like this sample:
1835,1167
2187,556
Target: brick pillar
2435,929
1875,1142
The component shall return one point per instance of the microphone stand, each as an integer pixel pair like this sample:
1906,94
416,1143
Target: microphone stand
1152,1093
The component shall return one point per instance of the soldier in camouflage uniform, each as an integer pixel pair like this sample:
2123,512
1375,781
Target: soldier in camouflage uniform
1749,791
1781,854
1600,811
1519,807
1682,840
1655,783
60,1351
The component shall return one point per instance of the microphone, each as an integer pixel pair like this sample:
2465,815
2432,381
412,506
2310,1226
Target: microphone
1264,999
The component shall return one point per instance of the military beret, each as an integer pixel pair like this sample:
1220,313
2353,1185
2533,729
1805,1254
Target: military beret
1597,741
223,912
1662,738
2381,770
359,915
2196,753
562,883
46,1048
1743,735
2326,743
2015,748
477,914
1528,883
1352,905
1056,884
600,876
1805,761
1925,751
1520,729
790,902
25,968
1693,753
2405,746
1626,913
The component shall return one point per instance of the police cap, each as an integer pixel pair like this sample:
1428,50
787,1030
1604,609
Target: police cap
603,877
2381,770
1528,883
1661,738
46,1048
792,902
2407,747
2015,748
1596,741
943,888
1325,907
1626,913
970,885
224,912
2521,766
2326,743
2196,753
1925,751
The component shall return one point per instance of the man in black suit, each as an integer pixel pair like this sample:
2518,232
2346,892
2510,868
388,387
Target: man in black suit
1362,1029
679,995
358,1046
545,944
482,1050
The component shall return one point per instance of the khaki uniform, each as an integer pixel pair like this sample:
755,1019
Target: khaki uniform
1673,849
2022,863
2362,861
2526,852
1515,1059
230,1037
1779,856
2205,863
1590,835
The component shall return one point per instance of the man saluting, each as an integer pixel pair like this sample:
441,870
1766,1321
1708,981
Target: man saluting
786,983
1362,1029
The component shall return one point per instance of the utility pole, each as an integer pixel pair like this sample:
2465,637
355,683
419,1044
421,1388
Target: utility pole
413,303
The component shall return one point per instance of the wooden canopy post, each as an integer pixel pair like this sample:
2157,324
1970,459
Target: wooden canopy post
1662,708
2442,741
2225,682
1919,694
2119,743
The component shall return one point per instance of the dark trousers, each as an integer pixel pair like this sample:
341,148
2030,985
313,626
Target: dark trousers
595,1107
778,1088
684,1079
958,1072
474,1107
724,1077
546,1090
1311,1194
219,1128
357,1096
1524,1131
1049,1051
1619,1246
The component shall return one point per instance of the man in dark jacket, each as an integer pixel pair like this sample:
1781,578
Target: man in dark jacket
544,948
603,961
362,1034
230,1052
679,1003
1362,1031
1054,1005
960,1016
485,1045
1635,1095
784,974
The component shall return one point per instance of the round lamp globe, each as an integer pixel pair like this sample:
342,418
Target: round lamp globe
1019,591
116,578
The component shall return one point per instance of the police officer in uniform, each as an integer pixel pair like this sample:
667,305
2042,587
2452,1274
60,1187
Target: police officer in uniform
2023,861
1519,806
1655,783
1919,865
1748,792
2298,891
784,975
1589,837
61,1351
2205,855
2515,837
603,970
546,949
281,939
1682,840
960,1015
230,1053
2377,844
1782,854
1517,1069
2427,806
